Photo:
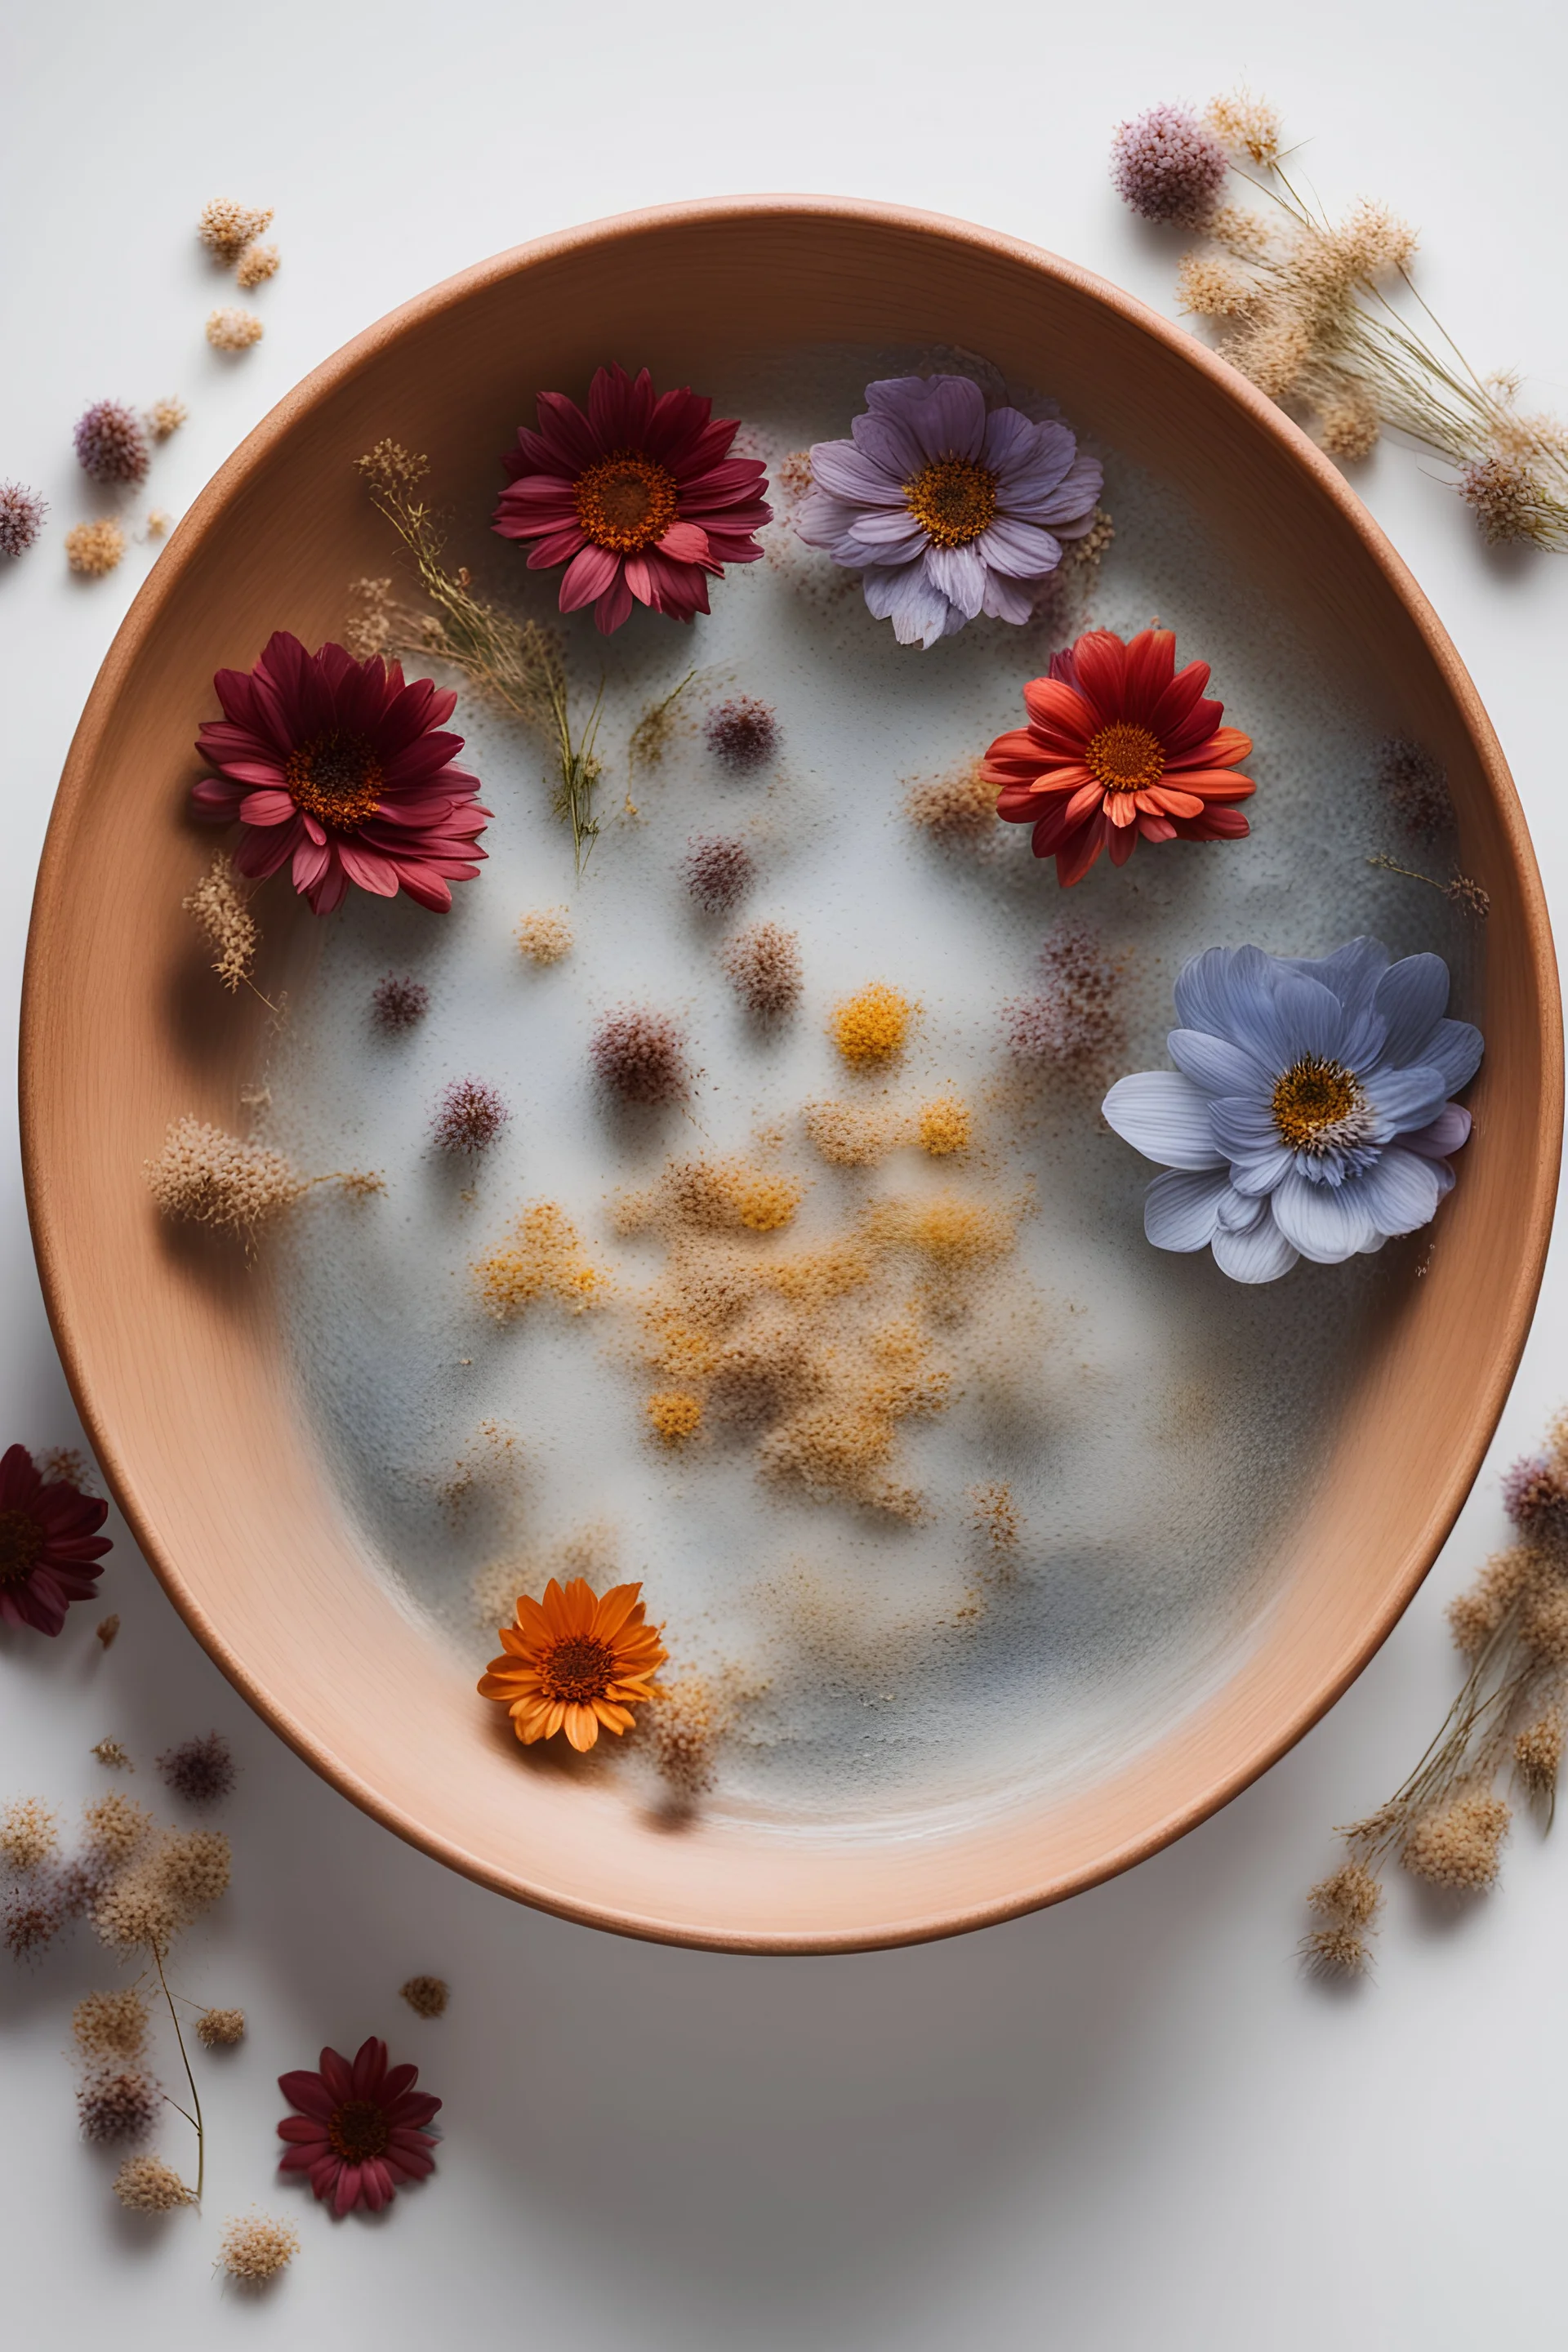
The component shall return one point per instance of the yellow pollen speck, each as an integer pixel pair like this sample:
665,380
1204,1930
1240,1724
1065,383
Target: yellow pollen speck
873,1026
675,1415
953,499
945,1127
543,1259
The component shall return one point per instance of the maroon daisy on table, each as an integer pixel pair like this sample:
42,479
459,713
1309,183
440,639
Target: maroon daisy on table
342,769
639,497
49,1544
358,2132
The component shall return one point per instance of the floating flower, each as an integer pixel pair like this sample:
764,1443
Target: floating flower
1120,745
49,1544
573,1662
946,510
341,766
1307,1114
358,2132
638,499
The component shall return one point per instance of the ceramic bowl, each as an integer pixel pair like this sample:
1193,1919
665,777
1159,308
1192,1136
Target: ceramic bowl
173,1352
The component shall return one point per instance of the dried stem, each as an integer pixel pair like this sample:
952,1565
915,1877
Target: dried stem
194,2120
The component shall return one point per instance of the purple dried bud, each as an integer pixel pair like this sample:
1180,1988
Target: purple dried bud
717,872
22,513
398,1002
1167,167
469,1116
201,1772
112,443
743,734
641,1055
1535,1495
117,2107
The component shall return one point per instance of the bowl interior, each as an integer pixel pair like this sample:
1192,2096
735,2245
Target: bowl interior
173,1349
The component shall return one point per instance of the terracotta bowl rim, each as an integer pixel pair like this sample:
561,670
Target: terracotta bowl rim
53,888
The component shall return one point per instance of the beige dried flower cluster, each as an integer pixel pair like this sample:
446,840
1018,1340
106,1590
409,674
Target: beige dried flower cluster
254,2248
220,2029
29,1834
204,1176
145,2184
516,665
427,1996
224,920
544,934
230,329
232,234
1308,304
166,416
94,549
1448,1822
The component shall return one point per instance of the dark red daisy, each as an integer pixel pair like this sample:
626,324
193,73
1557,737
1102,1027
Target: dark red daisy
638,499
340,766
49,1543
358,2132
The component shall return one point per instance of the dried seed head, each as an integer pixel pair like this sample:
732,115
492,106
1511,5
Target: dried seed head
221,2029
1507,501
106,1630
640,1056
1249,126
718,871
112,443
137,1911
398,1002
224,920
201,1771
743,734
225,228
1336,1950
469,1116
211,1177
111,2024
118,2106
1473,1619
1536,1496
1348,427
1351,1893
34,1913
27,1834
196,1866
1247,234
1166,166
1538,1752
544,934
22,513
1213,290
166,416
1459,1846
233,329
94,549
427,1996
1543,1627
763,965
254,2248
256,264
1272,353
1376,241
112,1753
116,1825
145,2184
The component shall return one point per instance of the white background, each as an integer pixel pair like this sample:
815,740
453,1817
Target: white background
1126,2124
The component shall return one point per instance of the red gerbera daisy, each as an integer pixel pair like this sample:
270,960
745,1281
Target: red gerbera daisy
358,2132
48,1543
340,766
1120,744
638,499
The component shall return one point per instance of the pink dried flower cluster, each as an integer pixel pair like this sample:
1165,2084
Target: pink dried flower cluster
718,871
201,1771
470,1116
398,1002
112,443
743,734
22,513
640,1056
1167,167
1074,1017
763,965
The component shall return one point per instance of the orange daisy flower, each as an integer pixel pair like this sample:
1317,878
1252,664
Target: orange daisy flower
573,1662
1121,747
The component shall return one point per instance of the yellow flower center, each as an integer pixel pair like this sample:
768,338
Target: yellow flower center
21,1541
335,778
358,2130
953,500
1313,1096
627,502
1124,758
576,1669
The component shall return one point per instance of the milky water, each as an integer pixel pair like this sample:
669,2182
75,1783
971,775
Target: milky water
1157,1425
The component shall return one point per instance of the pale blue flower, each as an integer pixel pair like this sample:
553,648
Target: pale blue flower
1309,1112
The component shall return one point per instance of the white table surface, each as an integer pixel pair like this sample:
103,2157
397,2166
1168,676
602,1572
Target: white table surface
1129,2123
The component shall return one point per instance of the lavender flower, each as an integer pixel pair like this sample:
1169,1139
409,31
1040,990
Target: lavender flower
946,510
1307,1114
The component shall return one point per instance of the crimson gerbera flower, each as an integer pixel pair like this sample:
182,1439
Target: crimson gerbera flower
49,1543
640,498
1120,745
342,766
358,2132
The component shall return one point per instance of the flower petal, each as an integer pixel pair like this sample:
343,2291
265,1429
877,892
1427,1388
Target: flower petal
1163,1115
1181,1207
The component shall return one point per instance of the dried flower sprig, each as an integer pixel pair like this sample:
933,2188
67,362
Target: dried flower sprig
514,664
223,916
1447,1821
204,1176
1461,890
1314,326
254,2248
